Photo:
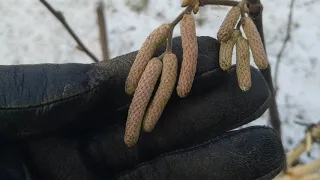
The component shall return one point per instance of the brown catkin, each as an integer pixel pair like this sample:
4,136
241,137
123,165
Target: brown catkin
146,52
164,91
228,24
226,50
140,101
190,55
243,64
255,43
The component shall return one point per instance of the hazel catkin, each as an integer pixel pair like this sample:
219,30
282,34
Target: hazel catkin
255,43
146,52
190,55
228,24
226,50
164,91
140,101
243,64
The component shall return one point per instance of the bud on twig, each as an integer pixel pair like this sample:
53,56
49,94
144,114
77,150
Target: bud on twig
196,7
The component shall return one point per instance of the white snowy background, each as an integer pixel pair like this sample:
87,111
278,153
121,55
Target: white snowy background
30,34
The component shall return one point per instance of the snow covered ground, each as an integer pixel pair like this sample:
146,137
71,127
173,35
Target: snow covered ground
30,34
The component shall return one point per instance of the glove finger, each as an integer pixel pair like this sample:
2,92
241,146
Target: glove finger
184,123
44,98
246,154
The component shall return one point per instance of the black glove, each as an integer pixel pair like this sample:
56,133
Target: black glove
68,123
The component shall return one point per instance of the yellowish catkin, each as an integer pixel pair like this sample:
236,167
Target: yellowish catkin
196,7
228,24
308,141
146,52
140,101
243,64
164,91
226,50
190,55
255,43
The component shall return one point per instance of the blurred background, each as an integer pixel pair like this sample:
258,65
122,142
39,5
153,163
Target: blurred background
30,34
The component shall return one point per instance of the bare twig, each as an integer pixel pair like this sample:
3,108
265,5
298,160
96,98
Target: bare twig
302,171
218,2
60,17
286,40
103,31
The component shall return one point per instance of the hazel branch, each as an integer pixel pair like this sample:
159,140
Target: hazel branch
286,40
60,17
218,2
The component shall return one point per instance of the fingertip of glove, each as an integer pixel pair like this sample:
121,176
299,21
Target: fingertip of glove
249,153
262,147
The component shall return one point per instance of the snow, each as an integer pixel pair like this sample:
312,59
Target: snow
29,34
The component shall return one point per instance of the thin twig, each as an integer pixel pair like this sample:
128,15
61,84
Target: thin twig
286,40
169,41
219,2
180,16
60,17
103,31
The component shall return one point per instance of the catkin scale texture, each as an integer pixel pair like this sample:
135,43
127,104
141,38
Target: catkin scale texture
164,91
140,101
225,54
146,52
190,55
226,50
255,43
243,64
228,24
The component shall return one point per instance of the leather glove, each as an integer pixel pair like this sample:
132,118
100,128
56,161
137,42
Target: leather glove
67,121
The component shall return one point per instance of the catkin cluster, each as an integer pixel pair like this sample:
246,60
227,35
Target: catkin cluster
145,110
149,101
230,36
141,82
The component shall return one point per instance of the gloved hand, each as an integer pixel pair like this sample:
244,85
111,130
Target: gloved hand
67,122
